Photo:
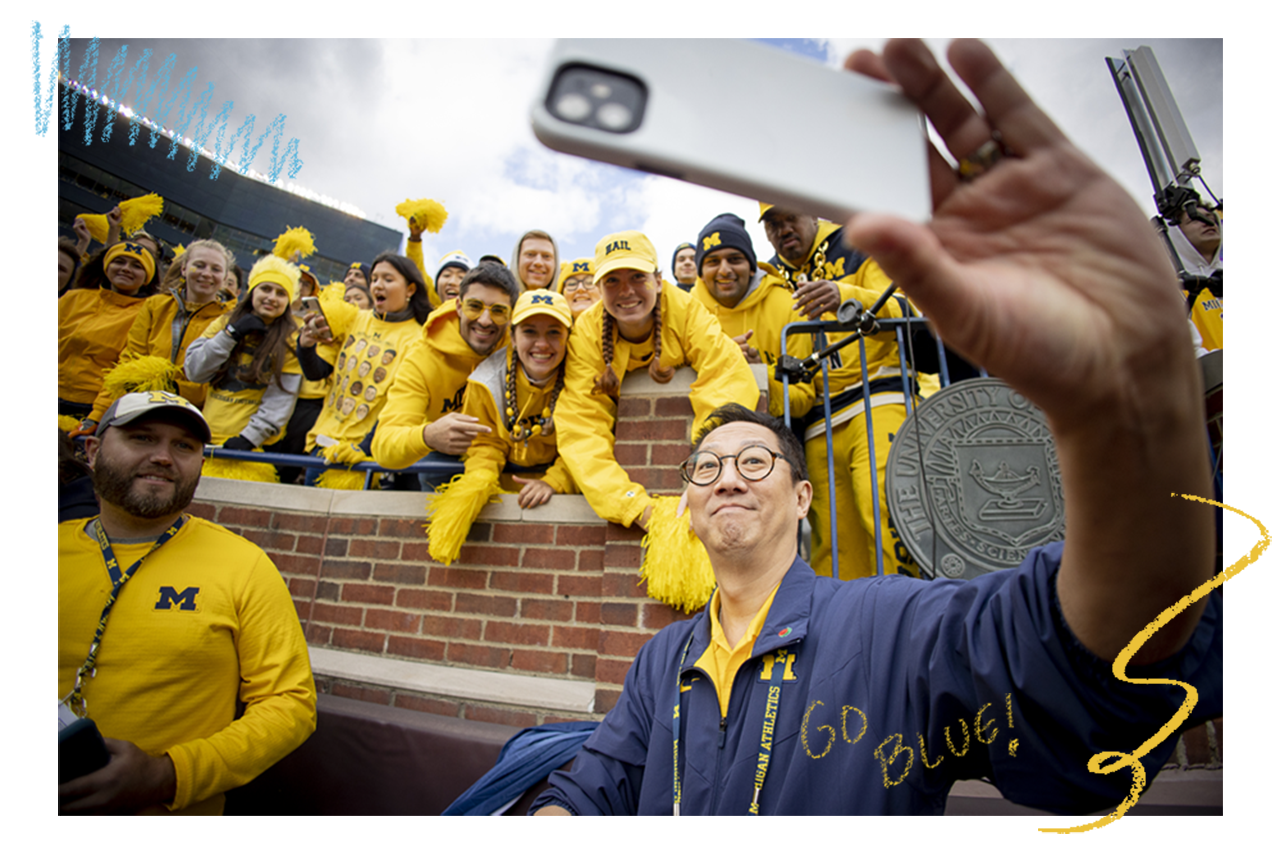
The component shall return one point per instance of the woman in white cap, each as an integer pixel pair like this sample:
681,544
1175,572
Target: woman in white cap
514,393
638,323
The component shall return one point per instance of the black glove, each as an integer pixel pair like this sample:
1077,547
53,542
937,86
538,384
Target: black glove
245,325
238,443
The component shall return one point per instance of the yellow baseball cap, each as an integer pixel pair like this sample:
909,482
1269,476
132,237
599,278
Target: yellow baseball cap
625,250
542,301
764,209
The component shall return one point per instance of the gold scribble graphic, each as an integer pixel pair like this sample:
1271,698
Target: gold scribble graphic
1013,747
1203,501
1130,760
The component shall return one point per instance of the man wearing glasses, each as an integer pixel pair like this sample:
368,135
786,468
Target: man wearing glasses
800,694
423,416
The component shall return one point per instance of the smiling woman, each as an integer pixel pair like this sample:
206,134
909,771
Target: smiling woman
247,359
167,323
514,394
640,322
94,319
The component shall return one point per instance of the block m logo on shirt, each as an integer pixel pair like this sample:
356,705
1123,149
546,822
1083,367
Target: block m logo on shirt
186,600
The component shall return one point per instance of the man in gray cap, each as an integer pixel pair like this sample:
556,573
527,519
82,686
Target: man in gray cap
181,622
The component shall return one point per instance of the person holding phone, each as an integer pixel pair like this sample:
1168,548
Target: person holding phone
198,676
638,323
247,359
366,358
798,694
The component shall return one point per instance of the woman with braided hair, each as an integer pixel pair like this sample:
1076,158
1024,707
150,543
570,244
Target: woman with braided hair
513,393
638,323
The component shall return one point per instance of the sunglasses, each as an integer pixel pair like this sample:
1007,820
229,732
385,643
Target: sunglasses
472,309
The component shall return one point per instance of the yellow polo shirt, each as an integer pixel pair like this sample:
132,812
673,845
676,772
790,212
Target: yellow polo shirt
720,661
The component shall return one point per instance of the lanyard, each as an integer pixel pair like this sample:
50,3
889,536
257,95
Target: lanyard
75,700
766,729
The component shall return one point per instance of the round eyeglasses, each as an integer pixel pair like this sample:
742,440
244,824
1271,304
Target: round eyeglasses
473,309
753,462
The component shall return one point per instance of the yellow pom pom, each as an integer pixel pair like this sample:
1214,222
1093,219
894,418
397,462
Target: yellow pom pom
453,507
343,479
294,240
341,314
67,423
98,226
145,373
429,213
675,562
134,213
239,470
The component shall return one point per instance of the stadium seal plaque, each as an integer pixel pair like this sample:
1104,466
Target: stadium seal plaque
973,480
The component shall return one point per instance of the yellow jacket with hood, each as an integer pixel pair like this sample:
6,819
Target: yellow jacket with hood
555,263
430,383
585,421
152,334
484,400
765,309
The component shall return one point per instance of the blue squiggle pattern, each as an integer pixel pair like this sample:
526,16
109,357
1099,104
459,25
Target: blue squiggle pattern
166,99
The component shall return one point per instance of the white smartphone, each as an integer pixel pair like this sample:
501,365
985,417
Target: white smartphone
311,304
740,117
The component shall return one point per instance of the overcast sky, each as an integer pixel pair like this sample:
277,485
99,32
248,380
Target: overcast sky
379,121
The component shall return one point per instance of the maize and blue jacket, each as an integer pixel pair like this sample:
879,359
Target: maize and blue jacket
873,696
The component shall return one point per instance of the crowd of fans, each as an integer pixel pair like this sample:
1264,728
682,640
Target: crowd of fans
512,371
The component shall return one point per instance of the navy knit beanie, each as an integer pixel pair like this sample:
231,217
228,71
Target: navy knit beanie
726,230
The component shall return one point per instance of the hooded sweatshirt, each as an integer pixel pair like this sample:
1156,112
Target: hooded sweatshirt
485,399
765,309
585,420
859,278
430,383
555,263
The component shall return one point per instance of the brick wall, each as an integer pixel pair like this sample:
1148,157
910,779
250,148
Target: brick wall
551,592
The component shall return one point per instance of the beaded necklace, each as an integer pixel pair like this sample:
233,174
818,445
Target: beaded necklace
520,428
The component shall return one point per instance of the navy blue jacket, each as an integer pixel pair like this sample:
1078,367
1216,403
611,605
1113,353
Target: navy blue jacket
893,689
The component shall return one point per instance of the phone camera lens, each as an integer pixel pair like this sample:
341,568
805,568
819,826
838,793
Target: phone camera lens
614,116
573,107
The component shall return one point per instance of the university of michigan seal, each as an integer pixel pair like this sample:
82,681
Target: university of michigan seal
973,480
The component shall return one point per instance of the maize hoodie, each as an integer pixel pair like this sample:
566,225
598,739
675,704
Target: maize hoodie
430,383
